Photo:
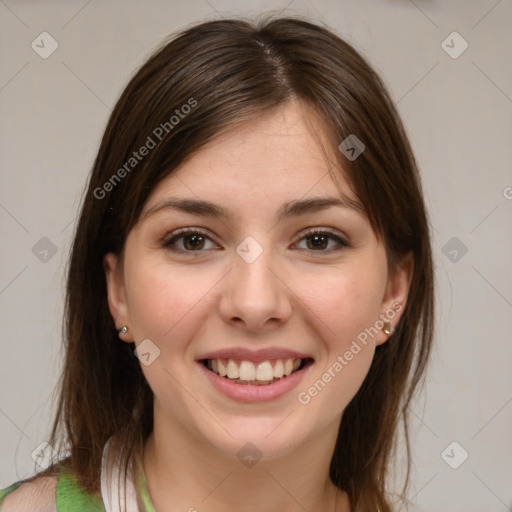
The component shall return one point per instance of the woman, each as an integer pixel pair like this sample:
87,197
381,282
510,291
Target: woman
254,228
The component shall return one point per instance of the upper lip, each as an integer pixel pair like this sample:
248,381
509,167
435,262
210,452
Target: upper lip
263,354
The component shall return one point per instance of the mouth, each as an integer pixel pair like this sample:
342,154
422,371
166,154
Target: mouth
259,373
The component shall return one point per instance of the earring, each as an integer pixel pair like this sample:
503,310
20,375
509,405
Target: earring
387,328
122,330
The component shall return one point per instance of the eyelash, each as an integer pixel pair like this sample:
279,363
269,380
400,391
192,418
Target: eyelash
168,243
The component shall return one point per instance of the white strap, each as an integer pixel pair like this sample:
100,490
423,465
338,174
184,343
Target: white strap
117,488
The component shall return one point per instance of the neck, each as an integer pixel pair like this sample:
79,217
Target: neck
185,473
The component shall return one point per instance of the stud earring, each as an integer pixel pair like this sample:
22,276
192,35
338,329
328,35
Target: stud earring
387,328
122,330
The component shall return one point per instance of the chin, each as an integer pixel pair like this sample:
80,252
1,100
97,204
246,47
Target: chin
259,438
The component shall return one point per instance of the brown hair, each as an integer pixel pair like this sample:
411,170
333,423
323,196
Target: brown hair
227,72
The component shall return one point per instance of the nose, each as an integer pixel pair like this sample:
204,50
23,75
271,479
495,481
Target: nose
255,297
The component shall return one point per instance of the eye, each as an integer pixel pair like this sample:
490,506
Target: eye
188,240
318,240
196,240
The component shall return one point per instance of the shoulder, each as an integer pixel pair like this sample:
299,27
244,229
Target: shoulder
49,494
37,494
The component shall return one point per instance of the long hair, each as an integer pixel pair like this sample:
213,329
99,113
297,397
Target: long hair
197,85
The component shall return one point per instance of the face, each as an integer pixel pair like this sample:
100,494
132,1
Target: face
276,272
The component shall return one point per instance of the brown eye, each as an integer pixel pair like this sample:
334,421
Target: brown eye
319,241
188,241
193,242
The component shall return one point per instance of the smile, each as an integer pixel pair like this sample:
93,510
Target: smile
251,373
249,377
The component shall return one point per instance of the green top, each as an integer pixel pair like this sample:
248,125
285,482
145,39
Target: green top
73,498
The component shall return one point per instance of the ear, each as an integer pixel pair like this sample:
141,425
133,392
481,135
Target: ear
112,265
395,296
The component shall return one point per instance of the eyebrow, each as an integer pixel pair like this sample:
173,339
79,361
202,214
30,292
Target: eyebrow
290,209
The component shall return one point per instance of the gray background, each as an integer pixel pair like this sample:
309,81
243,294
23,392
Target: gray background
458,114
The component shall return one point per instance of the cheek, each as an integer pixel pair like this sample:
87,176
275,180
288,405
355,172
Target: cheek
165,302
345,307
344,303
168,306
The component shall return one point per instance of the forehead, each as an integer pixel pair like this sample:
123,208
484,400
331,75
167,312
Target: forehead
281,155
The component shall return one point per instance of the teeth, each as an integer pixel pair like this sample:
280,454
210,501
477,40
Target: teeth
278,369
233,372
222,369
264,372
247,371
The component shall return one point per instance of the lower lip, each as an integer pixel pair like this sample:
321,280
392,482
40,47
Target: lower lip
248,393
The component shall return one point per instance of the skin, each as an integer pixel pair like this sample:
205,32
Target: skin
294,295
